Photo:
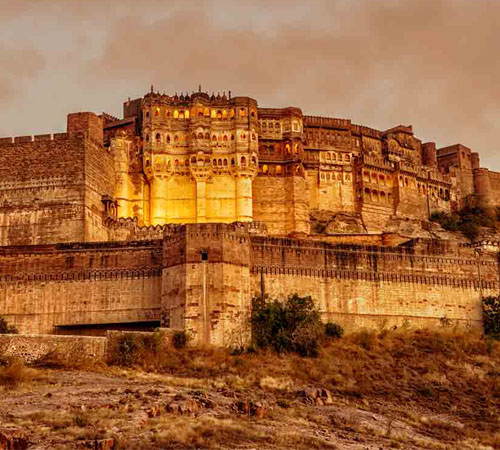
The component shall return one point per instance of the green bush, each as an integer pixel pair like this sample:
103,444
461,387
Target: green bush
468,221
491,316
180,339
292,325
5,328
333,330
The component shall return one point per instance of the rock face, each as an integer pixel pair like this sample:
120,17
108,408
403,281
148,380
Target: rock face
328,222
316,396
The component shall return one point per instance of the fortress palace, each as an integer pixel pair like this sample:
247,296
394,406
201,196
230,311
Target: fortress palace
180,212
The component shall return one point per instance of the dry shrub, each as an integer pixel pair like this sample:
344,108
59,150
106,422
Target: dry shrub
14,373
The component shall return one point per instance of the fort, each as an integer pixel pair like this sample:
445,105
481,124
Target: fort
180,212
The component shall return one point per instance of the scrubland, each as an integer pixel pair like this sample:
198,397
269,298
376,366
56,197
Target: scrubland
392,389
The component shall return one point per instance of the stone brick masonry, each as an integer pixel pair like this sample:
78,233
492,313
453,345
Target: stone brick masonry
182,211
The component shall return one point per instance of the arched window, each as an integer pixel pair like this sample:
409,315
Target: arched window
253,137
176,138
214,137
157,112
368,195
232,114
214,162
186,114
243,112
254,161
287,149
200,113
168,138
176,163
147,137
181,115
328,157
340,156
271,149
264,168
220,137
225,161
219,162
158,138
213,114
193,160
206,112
243,136
296,149
232,161
232,136
224,113
207,135
225,138
200,135
176,114
252,114
347,158
278,170
219,114
243,161
381,179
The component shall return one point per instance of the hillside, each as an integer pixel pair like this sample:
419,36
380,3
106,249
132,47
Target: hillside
397,389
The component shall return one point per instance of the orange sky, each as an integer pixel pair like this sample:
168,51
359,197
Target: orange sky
433,64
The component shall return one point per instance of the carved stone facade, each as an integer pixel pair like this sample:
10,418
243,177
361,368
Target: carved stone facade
180,212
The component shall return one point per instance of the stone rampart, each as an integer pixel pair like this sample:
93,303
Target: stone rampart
33,348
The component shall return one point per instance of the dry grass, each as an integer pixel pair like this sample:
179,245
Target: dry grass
446,372
15,373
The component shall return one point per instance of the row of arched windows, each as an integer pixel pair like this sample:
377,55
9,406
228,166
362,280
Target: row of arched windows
200,112
375,196
336,157
159,138
216,162
329,137
377,178
276,170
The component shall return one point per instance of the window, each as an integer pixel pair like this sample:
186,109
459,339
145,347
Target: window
224,114
157,112
147,137
243,161
158,138
243,112
168,138
186,114
204,255
278,170
176,114
219,114
264,168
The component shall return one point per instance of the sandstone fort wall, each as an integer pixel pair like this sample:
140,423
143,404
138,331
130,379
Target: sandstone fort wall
44,287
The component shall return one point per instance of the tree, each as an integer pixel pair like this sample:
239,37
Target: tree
5,328
491,316
290,325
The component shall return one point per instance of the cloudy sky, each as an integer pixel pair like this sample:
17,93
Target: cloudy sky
433,64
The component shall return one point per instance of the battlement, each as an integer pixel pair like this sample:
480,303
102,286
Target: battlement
35,138
327,122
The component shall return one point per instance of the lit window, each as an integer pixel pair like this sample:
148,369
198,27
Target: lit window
176,114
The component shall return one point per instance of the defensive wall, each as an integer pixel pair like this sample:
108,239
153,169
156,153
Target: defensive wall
51,185
202,277
52,288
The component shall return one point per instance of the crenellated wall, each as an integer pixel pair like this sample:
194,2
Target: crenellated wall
69,285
